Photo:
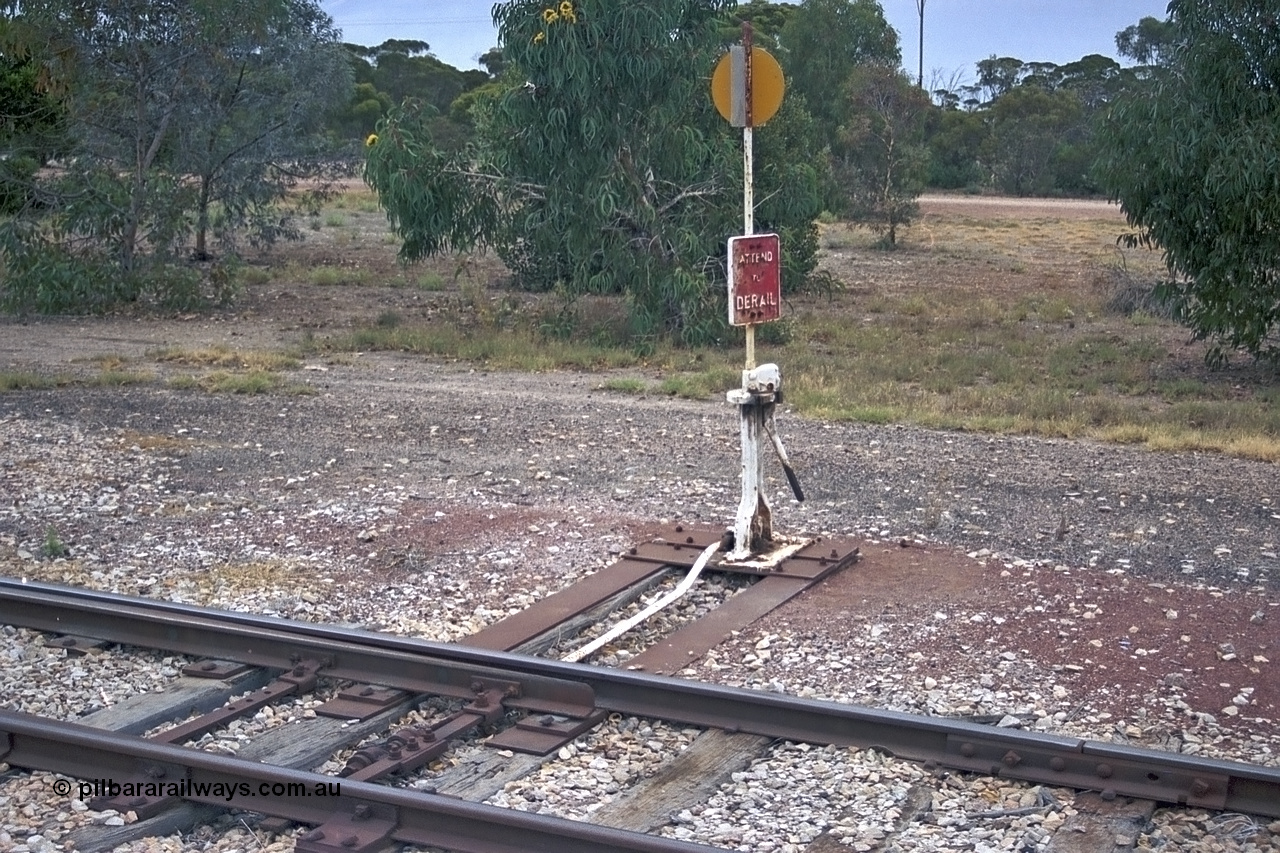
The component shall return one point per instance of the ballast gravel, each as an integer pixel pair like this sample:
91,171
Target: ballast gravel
430,500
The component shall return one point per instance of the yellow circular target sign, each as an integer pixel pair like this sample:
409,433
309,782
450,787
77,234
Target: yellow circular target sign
729,87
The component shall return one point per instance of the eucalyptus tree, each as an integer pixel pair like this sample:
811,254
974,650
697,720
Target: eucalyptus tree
602,168
169,110
1193,157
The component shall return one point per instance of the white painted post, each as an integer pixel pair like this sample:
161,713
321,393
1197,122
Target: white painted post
754,520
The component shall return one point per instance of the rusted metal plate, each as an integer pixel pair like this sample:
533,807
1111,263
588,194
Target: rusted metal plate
691,642
546,614
77,646
360,702
366,829
544,733
409,748
814,560
216,669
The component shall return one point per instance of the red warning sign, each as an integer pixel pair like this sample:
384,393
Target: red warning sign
755,279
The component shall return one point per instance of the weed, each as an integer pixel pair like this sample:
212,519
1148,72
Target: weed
119,379
53,548
251,276
431,281
224,356
625,385
25,382
254,382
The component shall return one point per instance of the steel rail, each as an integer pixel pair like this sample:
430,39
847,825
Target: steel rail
409,817
1056,760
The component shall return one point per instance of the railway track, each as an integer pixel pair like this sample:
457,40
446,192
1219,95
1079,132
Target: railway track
526,708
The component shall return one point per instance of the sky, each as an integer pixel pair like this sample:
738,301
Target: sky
957,33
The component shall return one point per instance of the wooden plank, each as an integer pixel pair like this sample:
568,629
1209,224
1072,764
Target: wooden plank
304,744
918,800
689,643
484,774
180,699
691,777
1102,826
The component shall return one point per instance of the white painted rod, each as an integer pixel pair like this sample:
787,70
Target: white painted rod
627,624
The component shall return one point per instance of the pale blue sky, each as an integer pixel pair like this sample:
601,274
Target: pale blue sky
957,33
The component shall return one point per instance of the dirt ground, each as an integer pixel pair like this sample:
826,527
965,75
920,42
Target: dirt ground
1106,565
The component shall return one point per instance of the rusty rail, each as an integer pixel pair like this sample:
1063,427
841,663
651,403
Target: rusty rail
1056,760
366,815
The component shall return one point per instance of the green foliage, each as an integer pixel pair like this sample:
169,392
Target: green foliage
1028,126
172,115
53,548
823,42
886,161
1148,42
1194,159
608,170
398,70
955,145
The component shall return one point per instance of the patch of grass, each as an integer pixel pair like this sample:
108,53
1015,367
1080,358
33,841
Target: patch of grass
625,385
253,382
333,219
252,276
118,379
226,357
432,282
25,382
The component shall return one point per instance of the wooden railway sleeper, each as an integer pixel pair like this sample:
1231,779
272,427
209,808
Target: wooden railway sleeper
409,748
301,679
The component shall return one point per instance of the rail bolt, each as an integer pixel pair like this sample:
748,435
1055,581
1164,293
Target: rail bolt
547,720
1104,771
1057,763
1011,759
314,835
351,841
363,812
138,801
1199,787
155,771
968,750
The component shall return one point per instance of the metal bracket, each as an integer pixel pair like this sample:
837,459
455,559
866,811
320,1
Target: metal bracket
543,734
77,646
360,702
219,670
366,830
1078,764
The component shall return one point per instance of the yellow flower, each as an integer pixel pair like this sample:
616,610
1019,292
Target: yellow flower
371,140
566,8
550,15
571,18
539,38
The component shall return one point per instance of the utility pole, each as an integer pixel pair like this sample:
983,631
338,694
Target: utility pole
920,9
